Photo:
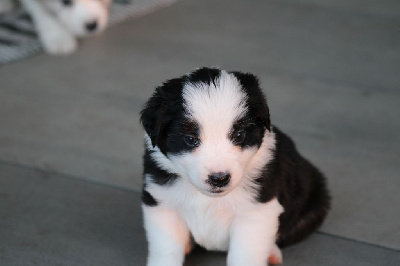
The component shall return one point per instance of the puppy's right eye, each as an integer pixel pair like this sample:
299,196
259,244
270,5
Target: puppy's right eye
239,137
66,2
191,141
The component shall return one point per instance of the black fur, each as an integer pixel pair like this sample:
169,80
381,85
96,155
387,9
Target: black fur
254,131
148,199
256,102
203,75
164,106
158,175
299,186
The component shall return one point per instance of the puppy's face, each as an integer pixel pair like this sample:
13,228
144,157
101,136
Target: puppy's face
81,17
209,125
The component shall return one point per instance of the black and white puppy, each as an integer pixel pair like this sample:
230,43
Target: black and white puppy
216,171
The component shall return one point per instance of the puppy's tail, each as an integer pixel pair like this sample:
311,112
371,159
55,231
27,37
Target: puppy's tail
312,216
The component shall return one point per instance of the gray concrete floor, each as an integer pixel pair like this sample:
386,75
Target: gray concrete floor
71,145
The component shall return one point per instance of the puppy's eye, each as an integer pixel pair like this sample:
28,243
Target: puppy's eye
238,137
67,2
191,141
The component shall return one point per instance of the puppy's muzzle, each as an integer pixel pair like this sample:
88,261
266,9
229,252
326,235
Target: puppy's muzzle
219,179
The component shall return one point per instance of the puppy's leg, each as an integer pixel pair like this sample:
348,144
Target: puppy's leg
253,235
189,246
167,234
55,38
276,255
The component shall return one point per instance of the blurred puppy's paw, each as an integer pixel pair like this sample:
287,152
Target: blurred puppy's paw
58,41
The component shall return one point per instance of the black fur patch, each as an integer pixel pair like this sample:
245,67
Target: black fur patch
254,131
299,187
204,75
158,175
256,101
177,129
164,106
148,199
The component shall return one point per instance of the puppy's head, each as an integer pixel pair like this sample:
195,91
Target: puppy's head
81,17
208,126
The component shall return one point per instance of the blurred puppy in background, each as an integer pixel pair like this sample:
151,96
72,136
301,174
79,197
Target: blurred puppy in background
60,22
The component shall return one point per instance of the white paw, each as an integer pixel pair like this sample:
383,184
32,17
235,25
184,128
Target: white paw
58,41
276,255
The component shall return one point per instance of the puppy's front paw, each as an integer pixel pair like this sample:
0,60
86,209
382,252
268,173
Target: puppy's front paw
58,41
189,247
276,255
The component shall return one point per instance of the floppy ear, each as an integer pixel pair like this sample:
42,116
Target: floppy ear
156,112
257,101
152,115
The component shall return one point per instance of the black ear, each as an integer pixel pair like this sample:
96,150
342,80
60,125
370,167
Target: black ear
156,113
152,114
257,102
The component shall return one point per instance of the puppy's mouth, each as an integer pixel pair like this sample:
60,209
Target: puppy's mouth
213,191
218,192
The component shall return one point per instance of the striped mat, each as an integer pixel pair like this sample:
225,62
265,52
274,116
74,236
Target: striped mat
19,40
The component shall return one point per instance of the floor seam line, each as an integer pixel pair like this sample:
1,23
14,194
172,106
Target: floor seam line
68,176
358,241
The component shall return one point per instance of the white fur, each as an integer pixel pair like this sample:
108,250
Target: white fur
253,234
167,234
214,108
75,17
230,221
59,26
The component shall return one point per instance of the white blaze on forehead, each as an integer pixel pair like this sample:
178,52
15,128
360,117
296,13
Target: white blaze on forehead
216,106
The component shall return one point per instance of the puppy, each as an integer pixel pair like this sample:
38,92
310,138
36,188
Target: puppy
216,171
60,22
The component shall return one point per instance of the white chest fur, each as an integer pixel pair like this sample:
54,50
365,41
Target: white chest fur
208,219
208,222
233,223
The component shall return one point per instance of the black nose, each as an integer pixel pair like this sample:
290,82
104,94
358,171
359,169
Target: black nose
91,26
219,179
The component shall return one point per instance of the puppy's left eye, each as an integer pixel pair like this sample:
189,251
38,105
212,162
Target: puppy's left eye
238,137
